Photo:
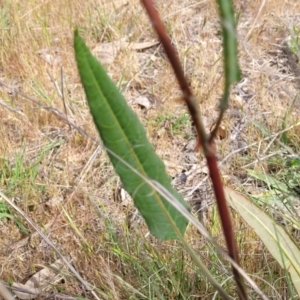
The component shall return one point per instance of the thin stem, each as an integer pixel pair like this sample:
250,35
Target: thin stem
206,143
227,227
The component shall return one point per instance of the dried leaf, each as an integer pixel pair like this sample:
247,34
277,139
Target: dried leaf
40,281
143,101
222,132
143,45
107,52
50,56
24,241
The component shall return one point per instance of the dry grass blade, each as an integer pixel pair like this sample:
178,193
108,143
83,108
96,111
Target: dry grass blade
123,259
71,268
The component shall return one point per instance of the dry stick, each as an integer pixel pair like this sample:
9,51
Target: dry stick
260,159
54,83
207,145
63,93
255,143
62,90
10,108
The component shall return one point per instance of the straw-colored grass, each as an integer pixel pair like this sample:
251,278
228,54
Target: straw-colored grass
63,181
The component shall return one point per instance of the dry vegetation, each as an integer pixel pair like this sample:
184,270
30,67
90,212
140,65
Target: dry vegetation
62,179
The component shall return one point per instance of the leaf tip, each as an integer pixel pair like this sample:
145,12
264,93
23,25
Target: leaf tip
76,33
77,38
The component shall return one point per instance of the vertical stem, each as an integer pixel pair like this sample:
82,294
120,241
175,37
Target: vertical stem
206,142
227,227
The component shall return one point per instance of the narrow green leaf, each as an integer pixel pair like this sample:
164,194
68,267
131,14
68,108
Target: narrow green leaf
275,238
5,215
123,134
270,181
230,52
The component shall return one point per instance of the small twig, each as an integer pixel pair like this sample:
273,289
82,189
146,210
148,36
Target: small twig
62,90
63,93
256,18
260,159
255,143
54,83
18,111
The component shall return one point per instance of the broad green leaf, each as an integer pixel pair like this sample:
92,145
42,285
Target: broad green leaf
275,238
123,134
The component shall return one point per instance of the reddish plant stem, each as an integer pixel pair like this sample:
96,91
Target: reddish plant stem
227,227
204,141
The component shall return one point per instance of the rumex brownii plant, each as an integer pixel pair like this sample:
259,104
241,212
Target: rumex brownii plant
122,134
167,222
141,171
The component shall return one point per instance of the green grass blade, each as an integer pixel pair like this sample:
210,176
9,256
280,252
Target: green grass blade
270,181
123,134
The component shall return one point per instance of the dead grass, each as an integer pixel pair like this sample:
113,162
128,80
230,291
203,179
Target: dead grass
49,169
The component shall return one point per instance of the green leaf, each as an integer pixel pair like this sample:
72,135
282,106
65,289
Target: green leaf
5,215
230,52
275,238
124,137
269,180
